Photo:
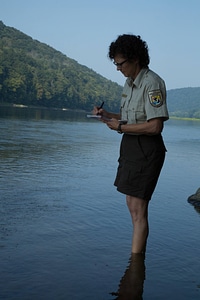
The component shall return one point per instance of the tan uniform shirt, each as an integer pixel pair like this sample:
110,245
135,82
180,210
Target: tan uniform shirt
144,98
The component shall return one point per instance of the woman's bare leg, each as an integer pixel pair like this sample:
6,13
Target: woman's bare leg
139,213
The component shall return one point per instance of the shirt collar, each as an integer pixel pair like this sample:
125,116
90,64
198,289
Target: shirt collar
138,78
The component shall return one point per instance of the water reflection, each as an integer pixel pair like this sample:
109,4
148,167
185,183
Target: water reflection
132,282
43,223
37,113
196,207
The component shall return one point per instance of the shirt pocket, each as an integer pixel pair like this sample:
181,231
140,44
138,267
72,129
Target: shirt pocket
140,116
136,116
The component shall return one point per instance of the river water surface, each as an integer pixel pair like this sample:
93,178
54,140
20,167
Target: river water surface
65,232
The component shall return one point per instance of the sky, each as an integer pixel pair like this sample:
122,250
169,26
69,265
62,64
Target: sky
84,29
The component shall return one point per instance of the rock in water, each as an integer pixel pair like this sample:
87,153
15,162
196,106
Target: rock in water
195,198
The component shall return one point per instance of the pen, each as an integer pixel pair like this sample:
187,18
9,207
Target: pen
100,106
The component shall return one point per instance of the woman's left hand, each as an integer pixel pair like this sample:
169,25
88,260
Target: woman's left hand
112,124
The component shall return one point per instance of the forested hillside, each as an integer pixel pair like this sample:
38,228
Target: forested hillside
33,73
184,102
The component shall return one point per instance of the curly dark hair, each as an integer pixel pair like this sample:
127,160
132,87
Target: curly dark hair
130,47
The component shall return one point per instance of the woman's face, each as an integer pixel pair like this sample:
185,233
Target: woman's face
129,68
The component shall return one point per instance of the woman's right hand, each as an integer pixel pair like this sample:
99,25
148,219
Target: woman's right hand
99,111
95,110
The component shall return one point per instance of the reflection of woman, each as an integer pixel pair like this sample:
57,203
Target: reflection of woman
142,150
131,284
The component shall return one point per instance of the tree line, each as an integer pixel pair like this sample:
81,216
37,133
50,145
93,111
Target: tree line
33,73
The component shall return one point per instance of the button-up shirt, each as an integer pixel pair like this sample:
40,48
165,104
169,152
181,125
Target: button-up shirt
144,98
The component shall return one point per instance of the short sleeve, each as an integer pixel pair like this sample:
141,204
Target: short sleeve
155,102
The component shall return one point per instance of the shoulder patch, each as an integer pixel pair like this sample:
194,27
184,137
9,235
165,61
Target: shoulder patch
155,98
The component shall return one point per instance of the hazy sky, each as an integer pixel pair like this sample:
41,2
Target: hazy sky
84,29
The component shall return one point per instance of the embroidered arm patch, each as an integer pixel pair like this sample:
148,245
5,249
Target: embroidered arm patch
155,98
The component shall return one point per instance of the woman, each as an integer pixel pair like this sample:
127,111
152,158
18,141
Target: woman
143,111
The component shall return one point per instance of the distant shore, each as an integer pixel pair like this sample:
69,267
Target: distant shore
78,110
184,119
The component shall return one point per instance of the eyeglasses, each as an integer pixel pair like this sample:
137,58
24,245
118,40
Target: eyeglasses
119,64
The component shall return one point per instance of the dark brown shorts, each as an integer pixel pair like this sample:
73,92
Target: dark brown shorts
140,162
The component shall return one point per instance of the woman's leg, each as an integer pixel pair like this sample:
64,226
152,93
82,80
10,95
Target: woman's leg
139,213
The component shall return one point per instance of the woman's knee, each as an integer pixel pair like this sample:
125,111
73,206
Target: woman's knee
138,208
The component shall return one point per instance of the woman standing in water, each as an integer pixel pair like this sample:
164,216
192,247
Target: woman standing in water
142,114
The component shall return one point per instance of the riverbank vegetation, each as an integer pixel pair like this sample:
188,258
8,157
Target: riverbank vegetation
35,74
